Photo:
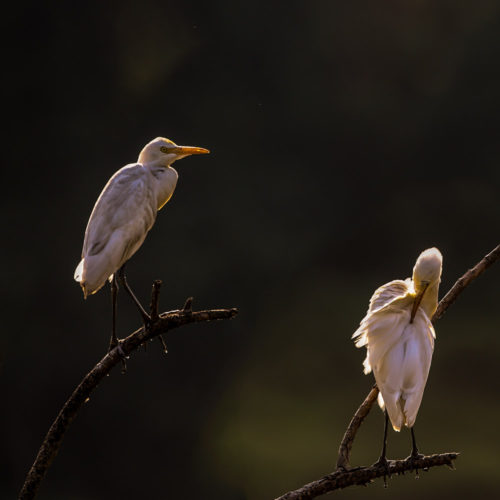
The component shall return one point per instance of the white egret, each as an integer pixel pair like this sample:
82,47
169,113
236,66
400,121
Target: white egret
122,216
399,339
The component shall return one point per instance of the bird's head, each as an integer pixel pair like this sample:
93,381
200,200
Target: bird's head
165,152
427,270
426,274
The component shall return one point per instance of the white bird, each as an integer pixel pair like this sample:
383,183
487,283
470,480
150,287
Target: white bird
124,213
399,339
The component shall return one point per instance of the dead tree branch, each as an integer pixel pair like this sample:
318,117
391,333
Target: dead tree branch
352,429
364,475
160,324
344,476
465,280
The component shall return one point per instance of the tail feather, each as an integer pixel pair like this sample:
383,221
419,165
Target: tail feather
79,271
78,276
411,407
393,407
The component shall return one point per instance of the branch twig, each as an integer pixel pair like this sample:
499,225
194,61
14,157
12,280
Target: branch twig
364,475
352,429
465,280
344,476
155,301
161,324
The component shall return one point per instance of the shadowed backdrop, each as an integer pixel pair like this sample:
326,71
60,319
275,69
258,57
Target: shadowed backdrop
345,139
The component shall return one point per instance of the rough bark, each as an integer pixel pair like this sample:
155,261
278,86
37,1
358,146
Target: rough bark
160,324
364,475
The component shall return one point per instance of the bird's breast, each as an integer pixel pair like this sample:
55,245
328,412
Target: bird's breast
165,181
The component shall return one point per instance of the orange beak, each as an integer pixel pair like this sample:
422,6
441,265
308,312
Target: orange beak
188,150
418,300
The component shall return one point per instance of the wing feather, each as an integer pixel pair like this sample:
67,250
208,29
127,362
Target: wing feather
122,203
383,298
389,292
122,216
417,363
401,360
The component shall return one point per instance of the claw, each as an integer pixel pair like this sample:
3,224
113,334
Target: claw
412,459
122,354
383,463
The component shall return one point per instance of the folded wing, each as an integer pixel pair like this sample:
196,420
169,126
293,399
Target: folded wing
122,216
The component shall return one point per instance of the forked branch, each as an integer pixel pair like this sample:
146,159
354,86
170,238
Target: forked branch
344,476
160,324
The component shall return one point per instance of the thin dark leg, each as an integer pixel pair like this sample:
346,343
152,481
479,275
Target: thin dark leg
114,291
114,339
123,280
383,458
414,449
415,455
382,461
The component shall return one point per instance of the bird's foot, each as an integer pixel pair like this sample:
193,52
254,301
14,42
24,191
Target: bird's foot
413,460
383,463
116,343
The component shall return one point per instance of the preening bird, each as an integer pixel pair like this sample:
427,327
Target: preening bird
124,213
399,339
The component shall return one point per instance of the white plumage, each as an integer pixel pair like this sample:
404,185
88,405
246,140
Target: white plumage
399,338
126,210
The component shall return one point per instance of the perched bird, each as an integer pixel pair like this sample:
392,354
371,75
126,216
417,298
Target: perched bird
122,216
399,339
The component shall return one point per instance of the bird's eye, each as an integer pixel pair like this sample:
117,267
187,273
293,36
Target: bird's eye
164,149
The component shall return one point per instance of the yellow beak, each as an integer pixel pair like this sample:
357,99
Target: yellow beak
418,300
188,150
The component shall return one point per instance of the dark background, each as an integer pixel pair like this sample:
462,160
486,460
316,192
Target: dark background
346,137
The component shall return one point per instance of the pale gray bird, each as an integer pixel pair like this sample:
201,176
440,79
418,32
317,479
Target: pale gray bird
122,216
399,339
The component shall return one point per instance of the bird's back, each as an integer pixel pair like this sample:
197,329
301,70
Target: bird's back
401,372
398,352
123,214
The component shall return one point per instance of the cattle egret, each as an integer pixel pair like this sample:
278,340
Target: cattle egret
122,216
399,339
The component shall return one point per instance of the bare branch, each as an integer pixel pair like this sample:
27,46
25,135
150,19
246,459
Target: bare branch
352,429
344,476
465,280
163,324
188,305
155,300
364,475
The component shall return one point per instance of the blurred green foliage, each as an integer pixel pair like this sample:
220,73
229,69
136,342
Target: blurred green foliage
346,137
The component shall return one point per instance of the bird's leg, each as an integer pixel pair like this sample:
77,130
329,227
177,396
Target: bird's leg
123,279
414,449
415,455
114,339
114,291
382,461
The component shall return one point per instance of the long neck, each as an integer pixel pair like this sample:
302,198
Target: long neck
164,182
430,300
